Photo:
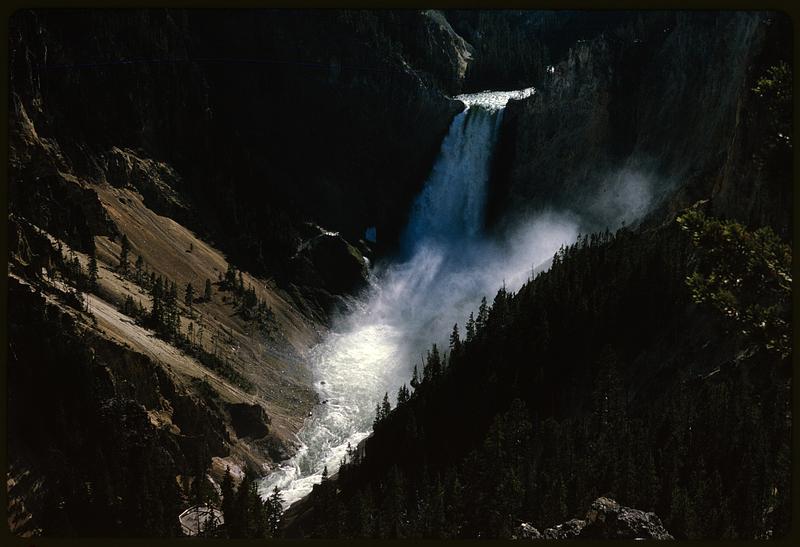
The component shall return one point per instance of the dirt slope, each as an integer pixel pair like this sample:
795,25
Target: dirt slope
276,375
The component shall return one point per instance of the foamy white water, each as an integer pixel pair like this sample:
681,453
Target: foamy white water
446,267
350,368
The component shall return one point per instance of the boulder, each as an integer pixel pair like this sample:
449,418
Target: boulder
526,531
605,519
327,261
568,530
275,448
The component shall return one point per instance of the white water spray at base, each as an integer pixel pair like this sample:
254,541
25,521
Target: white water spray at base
449,265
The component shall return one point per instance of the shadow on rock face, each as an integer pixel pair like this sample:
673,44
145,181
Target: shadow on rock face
249,420
325,260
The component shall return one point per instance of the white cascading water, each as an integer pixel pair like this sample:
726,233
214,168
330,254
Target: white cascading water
451,205
448,264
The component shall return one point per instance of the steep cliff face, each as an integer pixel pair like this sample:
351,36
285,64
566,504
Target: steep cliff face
756,181
648,109
512,49
432,45
268,116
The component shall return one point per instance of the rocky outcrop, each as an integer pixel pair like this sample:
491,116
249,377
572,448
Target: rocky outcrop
605,519
43,188
526,531
29,248
569,530
155,181
513,49
249,420
329,262
328,269
434,49
508,49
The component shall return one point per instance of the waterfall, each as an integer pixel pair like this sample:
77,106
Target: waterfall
446,265
451,205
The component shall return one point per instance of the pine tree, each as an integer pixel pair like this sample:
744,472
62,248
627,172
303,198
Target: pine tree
500,308
454,503
363,514
415,378
386,408
260,526
202,493
129,307
92,270
74,271
174,318
207,293
455,341
403,395
470,328
139,268
328,506
245,508
125,249
745,275
392,511
228,500
230,277
157,296
433,365
436,529
274,506
483,316
607,396
210,526
189,296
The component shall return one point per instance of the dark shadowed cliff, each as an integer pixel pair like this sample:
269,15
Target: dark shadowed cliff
661,104
267,117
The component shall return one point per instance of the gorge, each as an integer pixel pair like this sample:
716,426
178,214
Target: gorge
232,233
447,264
